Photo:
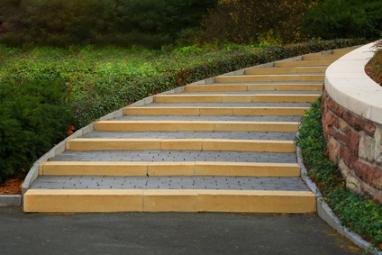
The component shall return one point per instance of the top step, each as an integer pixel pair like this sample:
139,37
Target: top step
284,70
305,63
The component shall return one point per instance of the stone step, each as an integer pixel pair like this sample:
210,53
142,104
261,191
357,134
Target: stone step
344,51
265,135
222,98
193,168
208,111
257,78
241,145
272,118
168,200
320,56
274,82
176,156
243,87
170,182
305,63
198,126
284,70
254,92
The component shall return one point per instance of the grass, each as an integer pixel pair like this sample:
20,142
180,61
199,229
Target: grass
356,212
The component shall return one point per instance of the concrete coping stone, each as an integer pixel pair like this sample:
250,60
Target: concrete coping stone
348,84
10,200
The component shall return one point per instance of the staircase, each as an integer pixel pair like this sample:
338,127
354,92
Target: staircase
228,146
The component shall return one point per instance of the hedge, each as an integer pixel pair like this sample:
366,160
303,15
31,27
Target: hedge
356,212
33,116
137,87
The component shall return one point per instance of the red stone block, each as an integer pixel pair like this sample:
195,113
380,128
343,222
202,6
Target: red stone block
359,123
368,173
347,155
352,140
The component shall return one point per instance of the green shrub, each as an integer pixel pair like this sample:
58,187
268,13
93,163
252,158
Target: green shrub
374,67
111,91
359,213
63,22
253,21
344,18
33,116
101,80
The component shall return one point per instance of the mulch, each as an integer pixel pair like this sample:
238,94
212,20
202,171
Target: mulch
11,187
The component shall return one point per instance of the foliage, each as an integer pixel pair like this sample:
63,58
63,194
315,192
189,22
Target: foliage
344,19
33,116
256,21
374,67
130,22
360,214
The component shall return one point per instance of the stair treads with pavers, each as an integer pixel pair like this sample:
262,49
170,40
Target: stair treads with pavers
192,182
269,77
195,126
270,83
251,92
306,63
208,118
190,135
260,89
96,144
225,104
175,156
284,70
223,98
189,168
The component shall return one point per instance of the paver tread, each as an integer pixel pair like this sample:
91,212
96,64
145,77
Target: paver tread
189,182
176,156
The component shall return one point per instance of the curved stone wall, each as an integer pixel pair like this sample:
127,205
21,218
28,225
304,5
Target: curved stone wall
352,122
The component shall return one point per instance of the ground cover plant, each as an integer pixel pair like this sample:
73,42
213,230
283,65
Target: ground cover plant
374,67
356,212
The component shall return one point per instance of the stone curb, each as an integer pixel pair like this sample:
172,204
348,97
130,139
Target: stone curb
10,200
326,213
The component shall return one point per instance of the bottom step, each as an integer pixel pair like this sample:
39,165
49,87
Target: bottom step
168,200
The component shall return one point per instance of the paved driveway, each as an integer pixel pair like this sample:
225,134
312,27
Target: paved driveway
167,234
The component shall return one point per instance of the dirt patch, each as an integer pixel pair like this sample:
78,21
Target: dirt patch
374,67
11,187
